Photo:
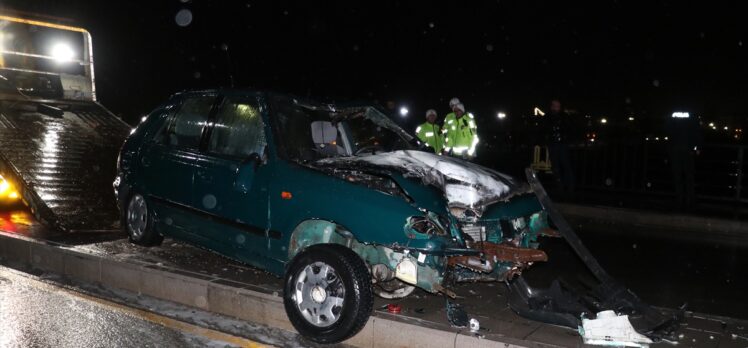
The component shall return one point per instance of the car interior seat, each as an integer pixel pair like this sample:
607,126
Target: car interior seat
325,137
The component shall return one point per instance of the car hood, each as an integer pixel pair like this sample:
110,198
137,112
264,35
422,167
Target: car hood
463,184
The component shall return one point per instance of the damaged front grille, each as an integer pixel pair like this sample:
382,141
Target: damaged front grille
476,232
494,231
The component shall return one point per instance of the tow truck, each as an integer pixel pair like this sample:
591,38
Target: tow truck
58,144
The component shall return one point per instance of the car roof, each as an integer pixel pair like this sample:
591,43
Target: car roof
305,100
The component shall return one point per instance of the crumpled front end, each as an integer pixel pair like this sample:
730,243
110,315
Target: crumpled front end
504,247
463,247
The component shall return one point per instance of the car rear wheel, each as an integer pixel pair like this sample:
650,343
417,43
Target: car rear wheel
138,222
327,293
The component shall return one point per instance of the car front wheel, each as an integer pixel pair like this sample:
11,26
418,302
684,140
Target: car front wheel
327,293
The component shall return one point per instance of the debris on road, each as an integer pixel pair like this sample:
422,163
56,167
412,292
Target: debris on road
611,329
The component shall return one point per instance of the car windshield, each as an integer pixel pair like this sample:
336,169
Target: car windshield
307,132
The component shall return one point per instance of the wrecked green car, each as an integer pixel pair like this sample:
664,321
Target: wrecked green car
338,201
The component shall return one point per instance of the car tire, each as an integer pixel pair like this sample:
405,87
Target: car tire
137,221
343,292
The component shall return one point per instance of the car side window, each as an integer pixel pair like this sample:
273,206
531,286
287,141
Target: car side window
187,126
239,130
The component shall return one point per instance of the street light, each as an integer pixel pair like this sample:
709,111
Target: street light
681,114
501,115
631,118
603,120
62,52
403,111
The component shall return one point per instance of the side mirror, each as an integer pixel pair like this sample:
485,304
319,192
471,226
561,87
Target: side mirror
246,172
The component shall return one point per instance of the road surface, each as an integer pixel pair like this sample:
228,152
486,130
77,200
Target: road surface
34,313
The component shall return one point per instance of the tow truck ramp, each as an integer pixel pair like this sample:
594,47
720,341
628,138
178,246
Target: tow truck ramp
63,166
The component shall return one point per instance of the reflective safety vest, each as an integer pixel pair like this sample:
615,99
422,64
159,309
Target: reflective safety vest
460,134
431,135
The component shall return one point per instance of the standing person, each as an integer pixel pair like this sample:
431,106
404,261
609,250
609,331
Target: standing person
559,130
430,133
685,140
453,102
460,133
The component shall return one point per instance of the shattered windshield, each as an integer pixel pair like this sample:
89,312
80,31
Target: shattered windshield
309,132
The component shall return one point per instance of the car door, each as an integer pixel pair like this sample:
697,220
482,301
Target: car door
168,162
231,180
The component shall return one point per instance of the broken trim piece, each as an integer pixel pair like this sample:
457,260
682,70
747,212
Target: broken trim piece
562,307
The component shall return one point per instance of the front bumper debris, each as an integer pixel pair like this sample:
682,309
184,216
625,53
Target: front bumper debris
562,305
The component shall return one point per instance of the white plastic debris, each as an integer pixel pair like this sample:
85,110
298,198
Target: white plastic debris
474,325
610,329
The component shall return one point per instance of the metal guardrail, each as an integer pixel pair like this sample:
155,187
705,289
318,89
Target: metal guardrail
645,168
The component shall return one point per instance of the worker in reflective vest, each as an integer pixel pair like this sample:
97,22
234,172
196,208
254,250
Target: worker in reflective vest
460,133
430,134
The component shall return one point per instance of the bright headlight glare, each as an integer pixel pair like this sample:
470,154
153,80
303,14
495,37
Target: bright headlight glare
62,52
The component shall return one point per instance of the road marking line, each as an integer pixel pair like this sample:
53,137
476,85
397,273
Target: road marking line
143,314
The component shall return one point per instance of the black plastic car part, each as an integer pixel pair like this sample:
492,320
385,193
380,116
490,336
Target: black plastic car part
561,304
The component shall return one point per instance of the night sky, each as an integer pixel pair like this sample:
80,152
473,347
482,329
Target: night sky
607,58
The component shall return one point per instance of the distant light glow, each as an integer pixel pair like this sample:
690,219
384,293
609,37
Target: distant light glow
631,118
404,111
603,120
727,128
62,52
501,115
711,124
681,115
538,112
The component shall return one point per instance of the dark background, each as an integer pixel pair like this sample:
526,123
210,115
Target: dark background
604,58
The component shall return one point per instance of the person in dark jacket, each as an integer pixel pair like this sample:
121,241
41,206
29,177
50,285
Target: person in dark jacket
558,133
684,144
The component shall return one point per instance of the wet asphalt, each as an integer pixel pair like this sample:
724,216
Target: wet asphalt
707,276
34,315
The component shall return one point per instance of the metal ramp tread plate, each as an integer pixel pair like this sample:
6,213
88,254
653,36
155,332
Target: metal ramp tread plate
64,166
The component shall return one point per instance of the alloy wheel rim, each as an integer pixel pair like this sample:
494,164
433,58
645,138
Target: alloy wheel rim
319,294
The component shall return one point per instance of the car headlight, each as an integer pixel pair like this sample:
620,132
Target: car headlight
424,225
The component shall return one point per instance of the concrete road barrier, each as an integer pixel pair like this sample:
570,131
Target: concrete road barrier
253,304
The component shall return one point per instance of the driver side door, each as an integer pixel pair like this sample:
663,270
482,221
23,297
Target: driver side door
231,181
